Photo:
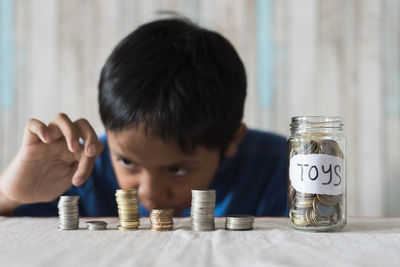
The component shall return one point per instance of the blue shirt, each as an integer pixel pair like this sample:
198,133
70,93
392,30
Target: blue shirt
254,181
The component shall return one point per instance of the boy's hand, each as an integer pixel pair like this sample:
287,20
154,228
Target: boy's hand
50,160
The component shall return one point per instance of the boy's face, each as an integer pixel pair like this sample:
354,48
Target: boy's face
162,174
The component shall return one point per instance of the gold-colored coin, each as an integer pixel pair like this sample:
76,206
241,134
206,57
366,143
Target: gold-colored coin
303,202
120,228
162,211
161,220
125,191
160,230
299,219
169,225
128,209
304,195
129,225
130,222
166,224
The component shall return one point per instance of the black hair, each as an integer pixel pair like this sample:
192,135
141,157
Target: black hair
182,81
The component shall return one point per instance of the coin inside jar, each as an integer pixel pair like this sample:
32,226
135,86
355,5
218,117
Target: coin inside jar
330,147
322,210
299,217
329,200
314,219
304,147
291,194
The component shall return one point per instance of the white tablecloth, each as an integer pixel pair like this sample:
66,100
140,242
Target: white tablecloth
37,242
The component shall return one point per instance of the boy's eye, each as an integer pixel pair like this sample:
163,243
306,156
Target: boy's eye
125,162
178,171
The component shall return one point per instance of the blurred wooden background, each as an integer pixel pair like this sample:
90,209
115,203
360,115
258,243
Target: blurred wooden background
309,57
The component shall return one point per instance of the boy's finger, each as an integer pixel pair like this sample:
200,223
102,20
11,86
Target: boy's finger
68,130
85,167
35,131
54,131
89,136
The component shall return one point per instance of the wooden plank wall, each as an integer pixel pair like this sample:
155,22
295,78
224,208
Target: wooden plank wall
309,57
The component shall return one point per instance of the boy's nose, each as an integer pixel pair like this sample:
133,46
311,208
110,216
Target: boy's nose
152,191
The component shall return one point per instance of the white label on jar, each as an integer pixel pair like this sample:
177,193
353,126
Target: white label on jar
317,174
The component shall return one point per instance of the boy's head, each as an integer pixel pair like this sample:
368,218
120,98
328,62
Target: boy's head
171,97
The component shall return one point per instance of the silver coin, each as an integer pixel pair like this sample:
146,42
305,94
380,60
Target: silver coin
239,222
68,212
203,194
202,210
322,210
69,198
96,225
96,222
97,228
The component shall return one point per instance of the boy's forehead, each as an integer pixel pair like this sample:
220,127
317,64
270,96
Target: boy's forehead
136,143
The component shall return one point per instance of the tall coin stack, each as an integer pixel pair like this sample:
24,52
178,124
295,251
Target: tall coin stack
161,220
128,209
202,211
68,211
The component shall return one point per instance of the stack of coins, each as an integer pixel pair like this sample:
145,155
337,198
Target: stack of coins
202,211
161,220
314,210
68,211
128,209
239,222
96,225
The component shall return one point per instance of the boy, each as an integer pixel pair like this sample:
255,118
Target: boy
171,98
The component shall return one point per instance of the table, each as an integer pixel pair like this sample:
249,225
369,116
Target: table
37,242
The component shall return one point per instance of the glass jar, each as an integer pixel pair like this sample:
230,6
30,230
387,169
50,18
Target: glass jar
317,173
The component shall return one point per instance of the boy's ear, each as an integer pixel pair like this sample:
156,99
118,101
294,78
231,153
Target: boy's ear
237,139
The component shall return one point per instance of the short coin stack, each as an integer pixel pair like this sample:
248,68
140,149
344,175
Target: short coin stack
239,222
202,211
128,209
68,211
96,225
161,220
